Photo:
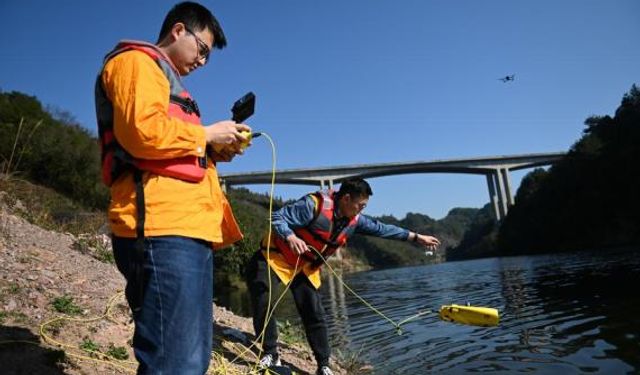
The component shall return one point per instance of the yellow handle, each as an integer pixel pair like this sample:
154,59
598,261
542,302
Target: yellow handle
248,136
243,145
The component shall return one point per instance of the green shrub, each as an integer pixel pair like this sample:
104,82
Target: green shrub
89,346
65,305
117,352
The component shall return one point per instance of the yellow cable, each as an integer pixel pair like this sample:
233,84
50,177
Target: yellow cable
370,306
270,309
268,315
110,360
104,358
268,245
365,302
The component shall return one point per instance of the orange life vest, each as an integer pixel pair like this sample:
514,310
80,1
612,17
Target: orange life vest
115,160
320,233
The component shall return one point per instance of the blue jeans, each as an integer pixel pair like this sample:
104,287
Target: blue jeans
174,328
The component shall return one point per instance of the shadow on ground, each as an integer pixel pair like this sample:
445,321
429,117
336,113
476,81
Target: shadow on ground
22,353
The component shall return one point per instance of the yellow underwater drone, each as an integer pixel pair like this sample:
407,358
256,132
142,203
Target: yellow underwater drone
472,315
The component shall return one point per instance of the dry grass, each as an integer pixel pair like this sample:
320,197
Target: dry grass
46,208
10,166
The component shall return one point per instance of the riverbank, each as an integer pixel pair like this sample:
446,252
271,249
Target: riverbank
46,275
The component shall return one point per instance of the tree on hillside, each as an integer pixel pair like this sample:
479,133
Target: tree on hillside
590,198
478,239
40,148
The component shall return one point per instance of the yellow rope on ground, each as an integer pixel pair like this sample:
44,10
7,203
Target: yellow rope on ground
103,358
221,365
70,349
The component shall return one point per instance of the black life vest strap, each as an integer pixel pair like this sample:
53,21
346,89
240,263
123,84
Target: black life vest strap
138,266
189,105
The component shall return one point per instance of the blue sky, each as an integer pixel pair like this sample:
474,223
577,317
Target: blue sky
362,81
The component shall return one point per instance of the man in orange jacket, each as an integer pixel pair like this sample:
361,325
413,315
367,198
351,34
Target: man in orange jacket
167,209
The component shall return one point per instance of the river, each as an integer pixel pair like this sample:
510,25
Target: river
570,313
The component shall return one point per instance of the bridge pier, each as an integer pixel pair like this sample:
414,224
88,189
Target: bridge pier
502,204
500,195
493,196
223,185
507,186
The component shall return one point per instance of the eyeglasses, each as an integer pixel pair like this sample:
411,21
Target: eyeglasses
203,49
361,206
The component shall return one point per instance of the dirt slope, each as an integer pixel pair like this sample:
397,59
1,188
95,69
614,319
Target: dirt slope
40,267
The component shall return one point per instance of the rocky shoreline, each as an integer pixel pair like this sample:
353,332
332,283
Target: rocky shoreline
43,272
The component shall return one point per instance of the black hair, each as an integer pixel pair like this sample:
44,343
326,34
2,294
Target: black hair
197,18
355,187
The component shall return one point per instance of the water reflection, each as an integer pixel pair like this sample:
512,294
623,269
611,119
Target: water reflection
334,299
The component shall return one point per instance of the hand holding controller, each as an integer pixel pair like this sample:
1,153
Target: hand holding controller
242,109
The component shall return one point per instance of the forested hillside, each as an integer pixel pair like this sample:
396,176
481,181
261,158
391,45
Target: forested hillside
588,200
49,148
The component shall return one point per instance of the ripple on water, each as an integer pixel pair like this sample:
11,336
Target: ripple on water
559,314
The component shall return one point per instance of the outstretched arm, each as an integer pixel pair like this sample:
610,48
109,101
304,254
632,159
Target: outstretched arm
372,227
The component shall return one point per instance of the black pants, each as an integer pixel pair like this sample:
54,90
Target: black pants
308,302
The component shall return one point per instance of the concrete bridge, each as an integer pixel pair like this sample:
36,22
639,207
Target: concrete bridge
494,168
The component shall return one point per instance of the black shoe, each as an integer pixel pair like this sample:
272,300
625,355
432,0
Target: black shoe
269,360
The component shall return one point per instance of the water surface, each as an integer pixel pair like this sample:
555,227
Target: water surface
571,313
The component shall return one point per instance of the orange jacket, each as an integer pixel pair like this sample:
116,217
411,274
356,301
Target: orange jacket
139,92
